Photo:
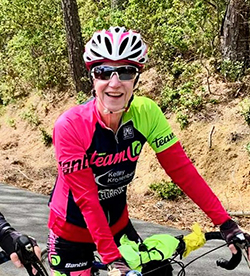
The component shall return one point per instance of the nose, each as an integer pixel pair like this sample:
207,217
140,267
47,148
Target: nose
114,80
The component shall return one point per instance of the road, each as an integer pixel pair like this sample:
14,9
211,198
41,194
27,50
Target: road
28,213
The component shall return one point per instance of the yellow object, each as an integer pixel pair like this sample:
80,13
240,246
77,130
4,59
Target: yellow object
194,240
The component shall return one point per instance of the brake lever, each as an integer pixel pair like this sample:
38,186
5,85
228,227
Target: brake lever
243,244
27,256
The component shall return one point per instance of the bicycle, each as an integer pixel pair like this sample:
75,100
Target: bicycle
27,256
157,266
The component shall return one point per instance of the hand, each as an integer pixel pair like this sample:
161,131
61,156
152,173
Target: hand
15,260
229,231
118,268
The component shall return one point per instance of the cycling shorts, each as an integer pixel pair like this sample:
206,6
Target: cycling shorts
66,257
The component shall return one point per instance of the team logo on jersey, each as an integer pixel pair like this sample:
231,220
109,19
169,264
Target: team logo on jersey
128,132
160,141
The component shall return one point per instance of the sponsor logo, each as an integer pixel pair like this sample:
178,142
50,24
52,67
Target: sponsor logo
128,132
102,159
81,264
74,165
111,178
55,260
109,193
163,140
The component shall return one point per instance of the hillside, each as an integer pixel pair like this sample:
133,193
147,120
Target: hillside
219,155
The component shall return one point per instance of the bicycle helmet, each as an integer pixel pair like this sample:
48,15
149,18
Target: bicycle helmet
115,44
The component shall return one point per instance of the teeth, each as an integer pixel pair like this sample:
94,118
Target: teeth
114,94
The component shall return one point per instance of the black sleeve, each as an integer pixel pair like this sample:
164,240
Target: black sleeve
3,222
4,225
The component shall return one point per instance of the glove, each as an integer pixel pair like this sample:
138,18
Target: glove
229,230
118,268
9,238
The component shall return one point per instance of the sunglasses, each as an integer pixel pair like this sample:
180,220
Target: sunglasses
124,73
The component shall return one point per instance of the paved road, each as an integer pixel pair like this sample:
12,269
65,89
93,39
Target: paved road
28,212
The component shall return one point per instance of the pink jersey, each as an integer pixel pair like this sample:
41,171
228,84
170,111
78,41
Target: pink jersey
95,165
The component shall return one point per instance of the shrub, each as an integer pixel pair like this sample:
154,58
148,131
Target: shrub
232,70
245,110
31,116
46,138
166,190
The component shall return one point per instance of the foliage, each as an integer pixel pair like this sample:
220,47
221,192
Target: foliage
183,93
31,116
32,45
166,190
46,138
232,70
182,119
81,97
11,122
178,32
248,148
245,110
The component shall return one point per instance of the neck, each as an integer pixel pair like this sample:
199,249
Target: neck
111,120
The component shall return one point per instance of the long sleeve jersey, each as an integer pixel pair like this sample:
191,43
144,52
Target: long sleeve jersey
95,165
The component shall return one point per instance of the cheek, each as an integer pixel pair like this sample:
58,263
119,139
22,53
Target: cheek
130,90
99,87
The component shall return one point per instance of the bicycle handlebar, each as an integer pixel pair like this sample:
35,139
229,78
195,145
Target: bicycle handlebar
241,246
27,256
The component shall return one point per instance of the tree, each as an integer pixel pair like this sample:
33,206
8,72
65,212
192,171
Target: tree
75,45
235,32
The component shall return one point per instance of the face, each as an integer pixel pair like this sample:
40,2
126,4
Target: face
113,94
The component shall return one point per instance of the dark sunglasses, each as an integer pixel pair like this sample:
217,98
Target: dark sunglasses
124,72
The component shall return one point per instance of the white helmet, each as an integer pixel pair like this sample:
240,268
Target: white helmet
115,44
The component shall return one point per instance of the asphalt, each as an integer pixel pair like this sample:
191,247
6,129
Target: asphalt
28,213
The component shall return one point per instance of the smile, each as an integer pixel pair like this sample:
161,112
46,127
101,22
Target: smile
115,95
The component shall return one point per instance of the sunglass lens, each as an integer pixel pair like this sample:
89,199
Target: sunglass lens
126,73
103,72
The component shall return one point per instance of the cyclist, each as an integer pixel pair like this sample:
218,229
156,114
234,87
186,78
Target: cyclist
8,237
97,146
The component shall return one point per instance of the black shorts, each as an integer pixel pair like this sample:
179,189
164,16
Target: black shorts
66,256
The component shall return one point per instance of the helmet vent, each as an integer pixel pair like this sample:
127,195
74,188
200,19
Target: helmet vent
99,38
137,46
135,55
95,53
133,40
142,60
117,29
108,45
123,45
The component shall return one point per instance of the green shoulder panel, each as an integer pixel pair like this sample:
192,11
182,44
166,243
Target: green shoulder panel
149,120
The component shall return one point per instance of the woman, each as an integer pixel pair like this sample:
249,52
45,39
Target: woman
97,146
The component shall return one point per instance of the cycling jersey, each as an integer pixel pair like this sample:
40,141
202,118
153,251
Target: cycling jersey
95,165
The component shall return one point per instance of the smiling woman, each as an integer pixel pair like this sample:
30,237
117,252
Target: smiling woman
88,207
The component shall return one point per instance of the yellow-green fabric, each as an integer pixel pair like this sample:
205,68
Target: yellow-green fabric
158,247
194,240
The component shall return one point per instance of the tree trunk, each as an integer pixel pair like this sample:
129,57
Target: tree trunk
235,32
75,45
